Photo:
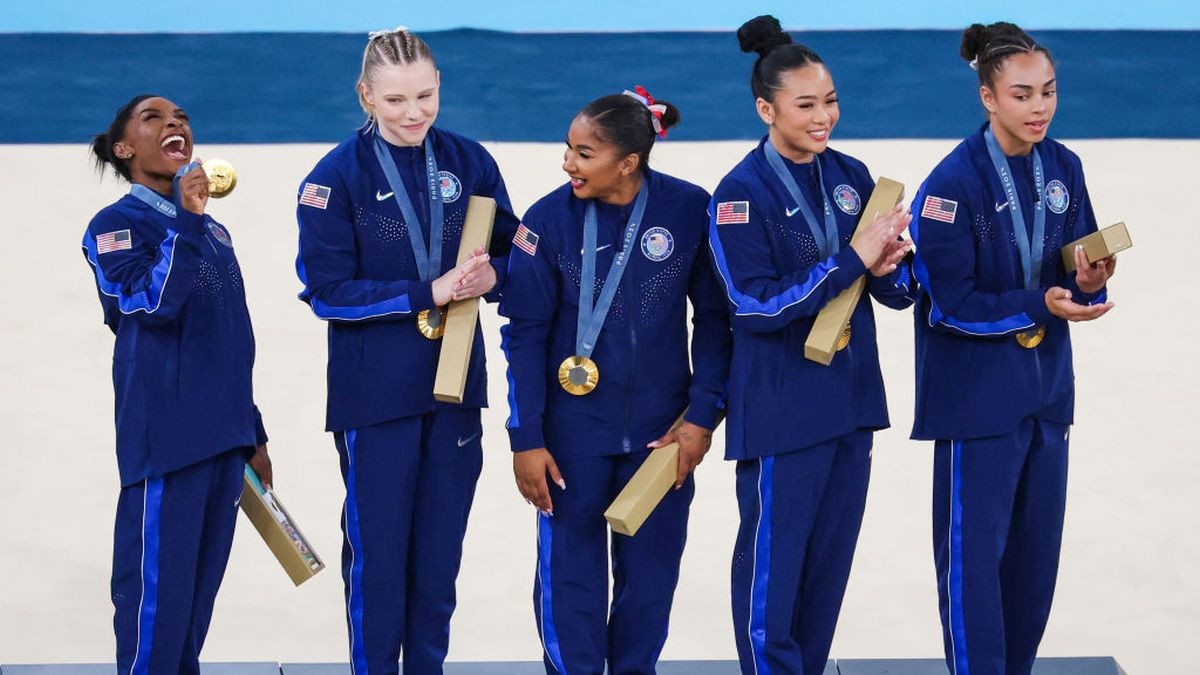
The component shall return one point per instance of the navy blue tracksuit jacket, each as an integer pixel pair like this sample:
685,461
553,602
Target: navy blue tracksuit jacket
1000,412
364,281
776,283
641,351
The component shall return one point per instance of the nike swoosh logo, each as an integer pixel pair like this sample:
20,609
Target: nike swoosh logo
462,442
379,196
598,248
1000,207
791,212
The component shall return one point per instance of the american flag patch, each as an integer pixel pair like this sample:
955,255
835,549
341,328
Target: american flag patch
732,213
526,240
939,209
113,241
315,195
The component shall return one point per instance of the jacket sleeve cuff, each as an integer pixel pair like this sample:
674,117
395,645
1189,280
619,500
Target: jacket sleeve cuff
1035,306
526,437
703,412
420,295
500,265
260,432
850,264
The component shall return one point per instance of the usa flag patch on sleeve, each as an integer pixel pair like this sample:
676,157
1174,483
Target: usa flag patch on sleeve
526,240
113,241
316,196
939,209
733,213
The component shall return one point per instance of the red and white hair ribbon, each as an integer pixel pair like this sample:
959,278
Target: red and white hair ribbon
656,109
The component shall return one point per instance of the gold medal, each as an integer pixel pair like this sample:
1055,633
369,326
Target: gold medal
1031,338
432,322
222,177
578,375
844,340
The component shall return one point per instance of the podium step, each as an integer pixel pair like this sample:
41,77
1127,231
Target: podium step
1094,665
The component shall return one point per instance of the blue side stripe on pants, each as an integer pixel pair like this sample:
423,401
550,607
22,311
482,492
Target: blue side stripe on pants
762,566
954,579
148,606
549,632
354,604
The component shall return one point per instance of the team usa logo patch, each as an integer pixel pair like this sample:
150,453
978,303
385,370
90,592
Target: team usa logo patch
450,186
220,234
526,240
316,196
936,208
733,213
847,199
1057,197
658,244
108,242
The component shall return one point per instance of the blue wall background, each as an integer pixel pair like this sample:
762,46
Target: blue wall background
582,15
297,87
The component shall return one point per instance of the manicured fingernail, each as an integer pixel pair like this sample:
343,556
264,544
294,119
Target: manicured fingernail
562,484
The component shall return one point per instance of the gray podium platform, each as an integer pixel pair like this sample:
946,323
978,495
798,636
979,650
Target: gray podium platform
1098,665
533,668
260,668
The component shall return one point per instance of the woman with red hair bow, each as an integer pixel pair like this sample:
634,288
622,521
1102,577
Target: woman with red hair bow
597,347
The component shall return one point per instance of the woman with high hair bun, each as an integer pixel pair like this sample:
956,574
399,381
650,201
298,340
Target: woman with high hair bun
172,293
597,345
995,385
801,432
380,218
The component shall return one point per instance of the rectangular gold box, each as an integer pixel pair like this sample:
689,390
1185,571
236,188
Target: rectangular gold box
653,479
833,318
277,528
1098,245
649,484
461,317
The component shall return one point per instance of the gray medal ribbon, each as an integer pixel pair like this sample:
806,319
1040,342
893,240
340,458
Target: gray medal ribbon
592,320
828,241
1031,256
428,264
158,202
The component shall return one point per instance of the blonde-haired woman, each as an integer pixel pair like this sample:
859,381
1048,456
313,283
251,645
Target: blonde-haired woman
380,221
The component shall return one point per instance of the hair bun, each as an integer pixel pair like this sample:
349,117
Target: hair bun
974,39
762,34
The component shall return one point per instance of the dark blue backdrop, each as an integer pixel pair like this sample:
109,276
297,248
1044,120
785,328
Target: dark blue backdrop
296,87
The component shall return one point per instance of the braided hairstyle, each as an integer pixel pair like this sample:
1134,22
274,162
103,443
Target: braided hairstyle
986,48
627,123
389,48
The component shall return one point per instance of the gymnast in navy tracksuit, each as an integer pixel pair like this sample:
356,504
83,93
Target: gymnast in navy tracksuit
801,432
380,218
172,292
995,386
596,379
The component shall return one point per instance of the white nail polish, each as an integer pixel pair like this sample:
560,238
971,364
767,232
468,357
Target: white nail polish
562,484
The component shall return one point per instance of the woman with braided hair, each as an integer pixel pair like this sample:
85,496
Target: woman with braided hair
995,385
380,218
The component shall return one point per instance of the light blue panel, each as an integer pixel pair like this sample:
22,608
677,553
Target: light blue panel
1099,665
554,15
313,669
60,669
891,667
478,668
260,668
